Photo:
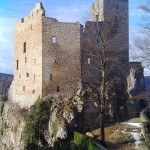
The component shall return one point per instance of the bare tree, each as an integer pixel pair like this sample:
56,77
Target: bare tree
102,64
141,51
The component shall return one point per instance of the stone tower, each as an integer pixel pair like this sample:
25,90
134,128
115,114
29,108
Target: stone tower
47,57
116,10
103,10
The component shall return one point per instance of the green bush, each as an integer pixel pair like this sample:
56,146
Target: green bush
83,142
35,122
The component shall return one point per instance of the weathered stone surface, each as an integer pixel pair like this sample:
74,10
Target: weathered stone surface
63,120
135,80
100,10
49,54
52,67
5,81
11,126
62,123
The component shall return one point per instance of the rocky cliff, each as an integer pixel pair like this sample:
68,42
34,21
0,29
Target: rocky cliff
5,81
46,125
11,126
135,79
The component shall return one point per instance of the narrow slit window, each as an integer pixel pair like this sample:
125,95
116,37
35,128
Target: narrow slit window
117,7
58,89
24,47
25,60
34,76
89,61
27,74
23,88
33,91
51,77
97,18
17,67
54,39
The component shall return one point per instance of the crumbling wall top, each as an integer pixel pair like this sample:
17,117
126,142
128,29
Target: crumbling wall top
38,11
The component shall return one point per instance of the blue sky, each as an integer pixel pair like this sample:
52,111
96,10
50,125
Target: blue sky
64,10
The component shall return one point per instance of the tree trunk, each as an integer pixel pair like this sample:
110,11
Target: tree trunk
102,130
102,100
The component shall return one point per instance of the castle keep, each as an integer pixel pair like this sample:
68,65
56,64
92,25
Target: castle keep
49,57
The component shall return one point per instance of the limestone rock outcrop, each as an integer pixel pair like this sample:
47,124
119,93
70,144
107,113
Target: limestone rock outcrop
135,79
64,119
61,123
11,126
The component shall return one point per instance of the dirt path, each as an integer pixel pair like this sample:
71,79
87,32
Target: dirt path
124,136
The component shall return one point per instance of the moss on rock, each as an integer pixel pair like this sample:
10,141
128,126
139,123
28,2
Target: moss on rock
36,121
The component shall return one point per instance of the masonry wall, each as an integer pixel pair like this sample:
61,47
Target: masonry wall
106,10
61,59
27,84
103,10
116,47
115,11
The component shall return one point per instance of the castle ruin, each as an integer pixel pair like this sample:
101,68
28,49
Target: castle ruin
48,55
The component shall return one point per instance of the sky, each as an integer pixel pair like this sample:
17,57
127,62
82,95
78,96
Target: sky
12,11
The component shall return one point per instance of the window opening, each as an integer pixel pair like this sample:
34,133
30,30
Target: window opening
97,18
24,47
27,74
50,77
55,59
58,89
23,88
89,61
54,39
33,91
117,7
17,61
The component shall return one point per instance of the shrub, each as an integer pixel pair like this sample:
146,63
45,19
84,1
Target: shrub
83,142
35,122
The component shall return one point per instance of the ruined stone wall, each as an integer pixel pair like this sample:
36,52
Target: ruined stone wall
103,10
50,56
27,84
116,47
106,10
117,58
97,11
61,57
